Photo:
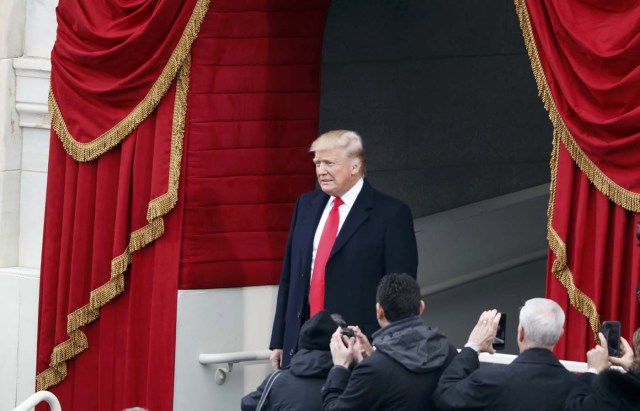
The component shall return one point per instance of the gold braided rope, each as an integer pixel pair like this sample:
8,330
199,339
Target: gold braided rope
138,239
617,194
90,151
626,199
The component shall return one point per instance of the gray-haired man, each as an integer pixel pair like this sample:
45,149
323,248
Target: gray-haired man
535,380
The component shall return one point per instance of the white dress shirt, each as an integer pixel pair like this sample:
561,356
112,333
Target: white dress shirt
348,198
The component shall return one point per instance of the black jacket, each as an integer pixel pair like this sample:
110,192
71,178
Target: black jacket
535,380
400,375
298,386
610,390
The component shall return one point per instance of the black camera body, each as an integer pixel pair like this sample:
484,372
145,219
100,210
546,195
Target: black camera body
337,318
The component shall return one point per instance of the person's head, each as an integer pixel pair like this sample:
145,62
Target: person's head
339,160
397,298
316,332
541,324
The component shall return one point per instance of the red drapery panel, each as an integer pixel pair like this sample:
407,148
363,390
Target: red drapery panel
584,56
91,210
137,112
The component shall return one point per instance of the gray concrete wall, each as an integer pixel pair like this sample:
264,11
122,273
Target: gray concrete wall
455,311
442,92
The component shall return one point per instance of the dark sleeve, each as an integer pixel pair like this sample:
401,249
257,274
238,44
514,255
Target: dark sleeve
462,385
400,248
277,332
589,395
354,390
250,401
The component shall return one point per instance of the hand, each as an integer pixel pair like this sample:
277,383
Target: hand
276,358
627,355
485,331
362,342
342,354
598,357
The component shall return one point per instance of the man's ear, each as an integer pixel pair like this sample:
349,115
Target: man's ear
520,333
379,312
355,167
421,309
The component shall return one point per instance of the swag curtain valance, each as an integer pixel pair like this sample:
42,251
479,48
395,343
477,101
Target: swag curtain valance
585,58
89,71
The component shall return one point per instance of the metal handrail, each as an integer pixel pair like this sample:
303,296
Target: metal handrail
229,359
234,357
37,398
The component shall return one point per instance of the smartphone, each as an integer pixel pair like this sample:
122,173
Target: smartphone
611,331
501,335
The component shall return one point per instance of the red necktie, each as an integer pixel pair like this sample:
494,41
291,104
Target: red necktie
328,237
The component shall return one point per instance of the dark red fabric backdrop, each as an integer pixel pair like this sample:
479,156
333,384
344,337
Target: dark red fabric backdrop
252,110
584,56
254,103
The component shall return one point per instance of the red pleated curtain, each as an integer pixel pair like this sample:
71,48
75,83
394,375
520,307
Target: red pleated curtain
179,142
584,56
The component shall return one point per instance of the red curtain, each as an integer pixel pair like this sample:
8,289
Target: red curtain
584,56
254,101
125,157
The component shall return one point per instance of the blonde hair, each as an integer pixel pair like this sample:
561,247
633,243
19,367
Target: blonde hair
349,141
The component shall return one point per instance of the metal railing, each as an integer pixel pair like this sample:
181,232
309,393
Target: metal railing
37,398
229,359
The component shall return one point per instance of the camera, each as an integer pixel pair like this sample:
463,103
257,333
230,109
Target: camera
337,318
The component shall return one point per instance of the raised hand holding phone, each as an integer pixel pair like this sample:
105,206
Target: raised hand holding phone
484,333
611,332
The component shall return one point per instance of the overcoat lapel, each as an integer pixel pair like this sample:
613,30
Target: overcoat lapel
357,216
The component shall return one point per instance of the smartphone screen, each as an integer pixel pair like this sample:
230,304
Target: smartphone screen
501,335
611,331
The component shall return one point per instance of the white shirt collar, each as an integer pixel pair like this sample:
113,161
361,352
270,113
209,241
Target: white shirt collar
350,196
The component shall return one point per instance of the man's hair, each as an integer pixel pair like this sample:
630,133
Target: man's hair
349,141
399,296
542,320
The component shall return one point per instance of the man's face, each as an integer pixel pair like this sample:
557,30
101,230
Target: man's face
336,174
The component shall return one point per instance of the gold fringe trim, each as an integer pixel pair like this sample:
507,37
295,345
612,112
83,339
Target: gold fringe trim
619,195
138,239
83,152
559,268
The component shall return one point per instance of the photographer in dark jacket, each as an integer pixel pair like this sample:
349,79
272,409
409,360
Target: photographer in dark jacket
604,389
403,370
298,386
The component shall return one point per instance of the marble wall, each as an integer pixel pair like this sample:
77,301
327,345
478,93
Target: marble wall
27,32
